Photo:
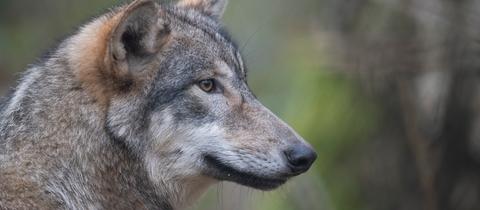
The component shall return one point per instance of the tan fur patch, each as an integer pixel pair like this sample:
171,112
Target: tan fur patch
87,56
91,57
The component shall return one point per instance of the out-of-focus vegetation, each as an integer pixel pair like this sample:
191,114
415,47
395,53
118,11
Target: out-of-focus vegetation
386,91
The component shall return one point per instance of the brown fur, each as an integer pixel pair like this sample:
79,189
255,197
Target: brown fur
88,57
96,67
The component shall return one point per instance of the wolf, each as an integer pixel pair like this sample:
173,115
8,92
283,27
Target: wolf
144,107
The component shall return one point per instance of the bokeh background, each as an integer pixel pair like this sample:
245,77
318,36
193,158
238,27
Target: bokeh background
387,91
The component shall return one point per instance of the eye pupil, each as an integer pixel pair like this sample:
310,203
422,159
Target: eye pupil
207,85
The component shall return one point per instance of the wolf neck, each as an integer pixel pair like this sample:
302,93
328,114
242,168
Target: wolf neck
80,165
67,146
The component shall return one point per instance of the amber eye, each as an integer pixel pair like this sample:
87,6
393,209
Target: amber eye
207,85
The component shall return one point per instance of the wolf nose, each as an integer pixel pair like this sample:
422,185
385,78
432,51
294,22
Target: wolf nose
300,158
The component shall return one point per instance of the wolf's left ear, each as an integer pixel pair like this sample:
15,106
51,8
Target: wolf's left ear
214,8
141,31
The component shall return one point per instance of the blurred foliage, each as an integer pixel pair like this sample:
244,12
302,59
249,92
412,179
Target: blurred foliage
289,71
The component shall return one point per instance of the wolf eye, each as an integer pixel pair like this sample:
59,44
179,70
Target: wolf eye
207,85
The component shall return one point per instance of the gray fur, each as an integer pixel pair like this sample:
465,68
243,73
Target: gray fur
158,141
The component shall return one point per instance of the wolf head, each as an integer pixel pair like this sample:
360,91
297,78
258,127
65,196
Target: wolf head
173,86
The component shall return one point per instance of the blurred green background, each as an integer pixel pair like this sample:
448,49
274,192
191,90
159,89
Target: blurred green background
368,82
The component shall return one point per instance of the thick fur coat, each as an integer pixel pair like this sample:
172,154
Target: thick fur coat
143,108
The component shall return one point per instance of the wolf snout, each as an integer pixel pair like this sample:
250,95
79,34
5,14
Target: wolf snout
300,158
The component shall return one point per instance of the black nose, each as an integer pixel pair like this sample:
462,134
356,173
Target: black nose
300,158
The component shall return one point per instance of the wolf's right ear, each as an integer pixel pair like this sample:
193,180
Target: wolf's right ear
141,31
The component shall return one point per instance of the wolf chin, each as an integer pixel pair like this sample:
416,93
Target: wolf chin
143,108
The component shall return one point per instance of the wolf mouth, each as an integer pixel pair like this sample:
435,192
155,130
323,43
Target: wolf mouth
224,172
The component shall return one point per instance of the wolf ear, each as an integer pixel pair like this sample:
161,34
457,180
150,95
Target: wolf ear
214,8
140,32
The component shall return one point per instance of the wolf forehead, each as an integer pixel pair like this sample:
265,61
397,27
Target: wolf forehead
187,23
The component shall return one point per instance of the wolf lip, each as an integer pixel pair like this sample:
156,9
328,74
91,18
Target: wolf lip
223,172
